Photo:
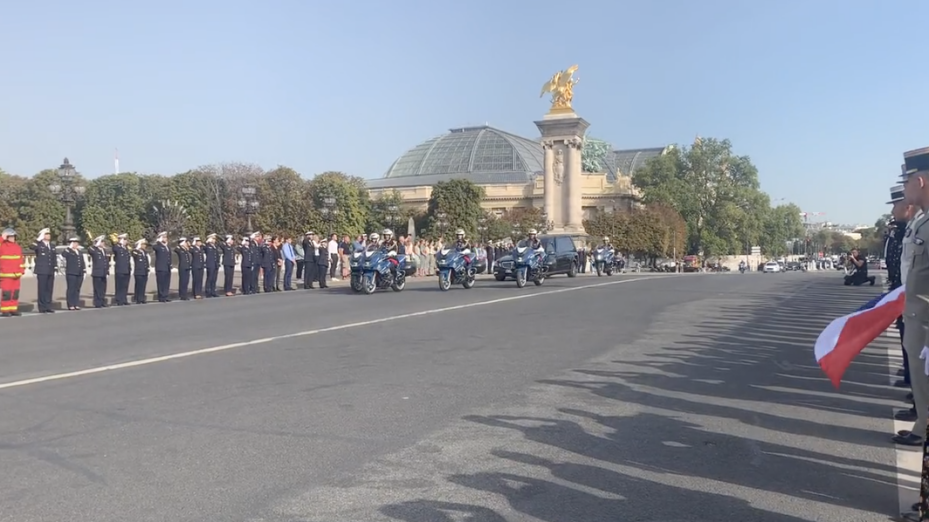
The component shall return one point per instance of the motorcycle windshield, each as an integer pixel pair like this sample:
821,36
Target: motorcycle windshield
447,258
373,259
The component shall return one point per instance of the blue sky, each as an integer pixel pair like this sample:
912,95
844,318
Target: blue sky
824,95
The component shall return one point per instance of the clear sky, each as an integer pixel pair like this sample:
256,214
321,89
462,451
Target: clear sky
823,95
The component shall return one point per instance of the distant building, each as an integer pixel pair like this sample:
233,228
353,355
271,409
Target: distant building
509,167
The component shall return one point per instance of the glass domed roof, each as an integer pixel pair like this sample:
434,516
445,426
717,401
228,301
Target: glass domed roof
483,155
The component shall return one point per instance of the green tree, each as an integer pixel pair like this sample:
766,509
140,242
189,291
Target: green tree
387,211
39,208
10,187
781,224
351,200
497,228
284,205
460,200
525,218
115,203
716,191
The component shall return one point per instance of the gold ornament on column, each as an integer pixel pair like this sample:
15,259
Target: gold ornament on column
561,86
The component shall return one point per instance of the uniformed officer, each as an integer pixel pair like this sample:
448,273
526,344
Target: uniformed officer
183,269
122,270
163,267
255,246
229,251
310,252
197,266
140,268
322,263
99,270
211,260
916,310
245,253
75,268
46,263
267,265
893,248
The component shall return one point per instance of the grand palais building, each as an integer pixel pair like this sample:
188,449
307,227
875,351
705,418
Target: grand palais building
509,167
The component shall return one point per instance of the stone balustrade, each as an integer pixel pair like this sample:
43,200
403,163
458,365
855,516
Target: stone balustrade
30,263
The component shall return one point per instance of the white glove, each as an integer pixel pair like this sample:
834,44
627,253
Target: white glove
924,355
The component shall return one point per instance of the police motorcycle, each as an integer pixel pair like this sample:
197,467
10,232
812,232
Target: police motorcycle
383,269
356,266
528,263
742,267
604,259
454,266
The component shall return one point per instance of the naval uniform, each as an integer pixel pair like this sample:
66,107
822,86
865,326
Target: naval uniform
163,271
197,265
99,270
183,273
245,252
46,261
211,260
140,274
228,268
122,272
74,276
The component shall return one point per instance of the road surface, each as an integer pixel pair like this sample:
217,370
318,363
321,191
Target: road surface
637,398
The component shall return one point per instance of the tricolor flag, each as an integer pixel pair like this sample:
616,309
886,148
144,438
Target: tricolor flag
846,336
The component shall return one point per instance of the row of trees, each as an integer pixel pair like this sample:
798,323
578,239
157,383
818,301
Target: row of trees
701,199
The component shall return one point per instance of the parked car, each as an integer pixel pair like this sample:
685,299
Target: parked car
560,257
771,267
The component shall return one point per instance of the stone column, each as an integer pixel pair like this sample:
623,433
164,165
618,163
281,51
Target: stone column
548,205
574,221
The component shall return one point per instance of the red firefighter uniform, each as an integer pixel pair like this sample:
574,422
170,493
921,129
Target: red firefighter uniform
12,266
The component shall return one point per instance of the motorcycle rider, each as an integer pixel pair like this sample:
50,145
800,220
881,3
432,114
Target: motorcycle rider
606,245
462,244
533,241
742,266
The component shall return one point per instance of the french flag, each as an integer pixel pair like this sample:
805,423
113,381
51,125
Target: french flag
846,336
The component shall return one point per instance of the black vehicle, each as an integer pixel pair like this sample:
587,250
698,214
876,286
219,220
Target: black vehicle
793,266
560,258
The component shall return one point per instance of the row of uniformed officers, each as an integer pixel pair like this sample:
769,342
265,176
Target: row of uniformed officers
198,265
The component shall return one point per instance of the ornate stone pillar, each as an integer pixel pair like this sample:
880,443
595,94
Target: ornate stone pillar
574,221
548,205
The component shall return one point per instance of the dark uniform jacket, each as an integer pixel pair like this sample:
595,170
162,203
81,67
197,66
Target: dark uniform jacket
121,261
267,256
46,260
183,259
228,255
211,256
99,262
246,252
255,250
74,262
140,261
162,258
197,258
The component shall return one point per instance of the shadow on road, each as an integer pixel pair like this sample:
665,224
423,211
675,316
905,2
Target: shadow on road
747,367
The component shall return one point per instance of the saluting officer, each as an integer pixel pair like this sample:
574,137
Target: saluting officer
163,267
140,267
211,260
46,262
255,248
228,249
197,265
267,265
75,268
322,263
245,251
99,270
183,269
122,269
310,253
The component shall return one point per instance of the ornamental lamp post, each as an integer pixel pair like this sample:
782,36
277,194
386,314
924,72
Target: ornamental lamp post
330,213
441,223
68,193
482,226
392,216
248,203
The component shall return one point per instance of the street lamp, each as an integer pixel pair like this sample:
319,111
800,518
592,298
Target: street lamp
248,203
330,212
482,226
441,223
392,215
68,193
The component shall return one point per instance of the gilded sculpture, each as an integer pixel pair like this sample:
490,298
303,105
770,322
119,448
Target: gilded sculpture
561,86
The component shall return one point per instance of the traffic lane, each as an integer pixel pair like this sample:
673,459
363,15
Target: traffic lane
222,436
64,342
716,409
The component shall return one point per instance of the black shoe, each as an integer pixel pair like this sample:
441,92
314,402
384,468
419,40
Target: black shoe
901,384
910,439
906,415
49,312
909,397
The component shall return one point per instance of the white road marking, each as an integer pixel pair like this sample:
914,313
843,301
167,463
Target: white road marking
225,347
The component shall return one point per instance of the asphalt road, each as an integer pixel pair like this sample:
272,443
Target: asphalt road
676,398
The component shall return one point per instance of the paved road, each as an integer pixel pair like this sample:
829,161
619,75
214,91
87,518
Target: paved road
679,398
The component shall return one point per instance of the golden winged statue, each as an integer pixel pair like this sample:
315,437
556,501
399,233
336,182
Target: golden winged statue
562,88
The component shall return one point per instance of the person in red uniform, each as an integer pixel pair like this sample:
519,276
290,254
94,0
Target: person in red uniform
12,266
